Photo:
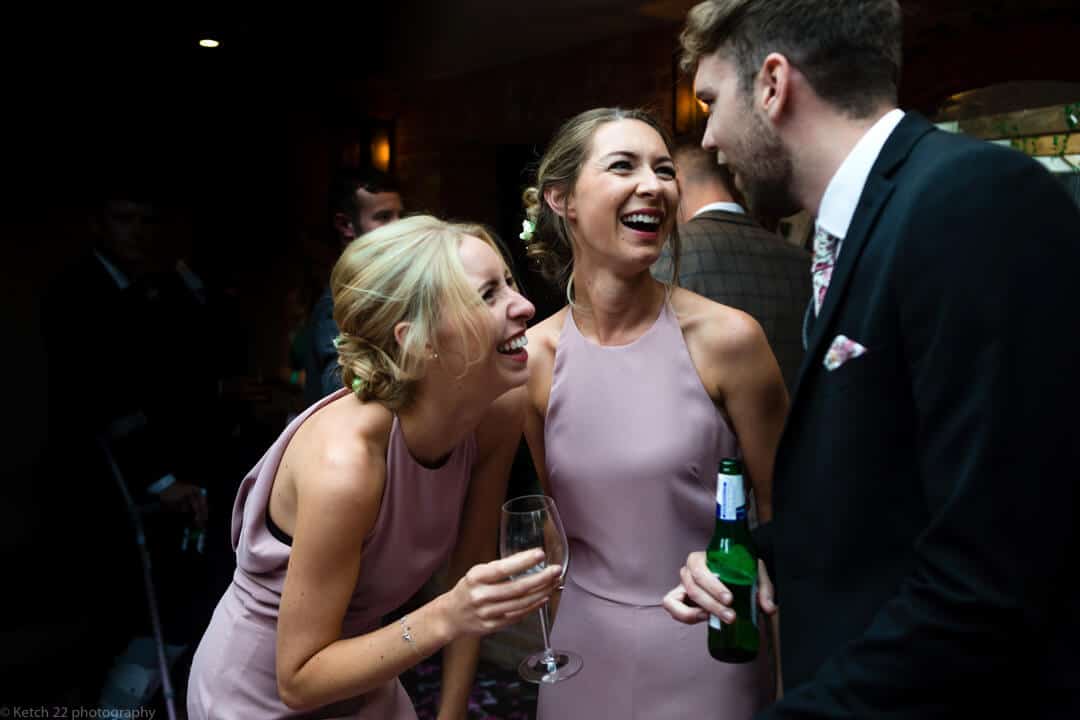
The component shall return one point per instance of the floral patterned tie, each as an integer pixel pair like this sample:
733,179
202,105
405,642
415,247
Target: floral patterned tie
824,259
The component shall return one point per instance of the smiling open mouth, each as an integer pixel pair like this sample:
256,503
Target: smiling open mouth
642,222
512,345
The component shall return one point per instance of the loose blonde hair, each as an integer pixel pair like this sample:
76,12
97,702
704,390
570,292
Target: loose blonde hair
550,247
407,271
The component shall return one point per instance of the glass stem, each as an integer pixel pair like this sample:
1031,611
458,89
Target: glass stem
549,657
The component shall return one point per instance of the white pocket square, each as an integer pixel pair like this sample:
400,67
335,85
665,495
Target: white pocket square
842,349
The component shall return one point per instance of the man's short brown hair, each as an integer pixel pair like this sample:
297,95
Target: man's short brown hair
697,165
849,50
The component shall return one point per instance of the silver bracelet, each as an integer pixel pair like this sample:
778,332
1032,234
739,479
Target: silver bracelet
406,635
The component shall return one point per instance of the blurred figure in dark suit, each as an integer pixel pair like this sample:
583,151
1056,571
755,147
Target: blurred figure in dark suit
360,201
132,367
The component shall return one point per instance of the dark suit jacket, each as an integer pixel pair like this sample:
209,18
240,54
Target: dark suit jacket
321,359
112,355
147,351
729,258
925,534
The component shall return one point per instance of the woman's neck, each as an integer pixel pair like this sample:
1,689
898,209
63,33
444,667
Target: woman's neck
437,420
615,310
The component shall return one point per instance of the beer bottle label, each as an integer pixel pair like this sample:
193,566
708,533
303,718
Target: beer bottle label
730,498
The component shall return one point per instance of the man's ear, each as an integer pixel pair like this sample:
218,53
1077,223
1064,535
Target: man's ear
344,226
772,87
560,204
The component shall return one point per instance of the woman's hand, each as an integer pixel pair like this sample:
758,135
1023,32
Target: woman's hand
701,593
485,599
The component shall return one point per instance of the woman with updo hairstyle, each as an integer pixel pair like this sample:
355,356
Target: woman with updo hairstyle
371,489
636,391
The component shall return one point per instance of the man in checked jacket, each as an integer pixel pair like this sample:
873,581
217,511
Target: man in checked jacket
730,258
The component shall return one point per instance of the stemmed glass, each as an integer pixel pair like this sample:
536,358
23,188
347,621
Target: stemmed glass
527,522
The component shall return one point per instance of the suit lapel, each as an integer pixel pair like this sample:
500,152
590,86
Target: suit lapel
875,195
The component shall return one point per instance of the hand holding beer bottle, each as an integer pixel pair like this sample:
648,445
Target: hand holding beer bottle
731,556
703,595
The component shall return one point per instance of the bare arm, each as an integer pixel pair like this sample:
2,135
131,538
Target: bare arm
752,391
739,369
497,440
538,390
757,402
336,507
534,437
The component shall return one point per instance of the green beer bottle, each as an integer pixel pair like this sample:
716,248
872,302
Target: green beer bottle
731,557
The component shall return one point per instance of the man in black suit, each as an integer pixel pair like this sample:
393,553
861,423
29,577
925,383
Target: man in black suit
925,537
360,201
131,364
728,257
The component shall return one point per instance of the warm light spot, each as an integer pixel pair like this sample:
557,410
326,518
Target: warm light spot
208,43
689,110
380,150
684,106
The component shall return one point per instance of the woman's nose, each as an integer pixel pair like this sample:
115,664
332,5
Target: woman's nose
521,308
649,184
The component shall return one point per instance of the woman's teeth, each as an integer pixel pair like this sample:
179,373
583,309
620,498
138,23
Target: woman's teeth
643,221
514,344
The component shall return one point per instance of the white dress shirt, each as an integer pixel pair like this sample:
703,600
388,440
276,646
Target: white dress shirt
844,190
725,206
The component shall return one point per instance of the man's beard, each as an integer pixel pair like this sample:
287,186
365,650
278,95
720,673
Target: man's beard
764,171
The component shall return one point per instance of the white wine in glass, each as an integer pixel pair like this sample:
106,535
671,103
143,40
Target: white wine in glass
532,521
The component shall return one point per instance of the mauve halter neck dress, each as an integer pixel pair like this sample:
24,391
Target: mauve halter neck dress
233,674
633,442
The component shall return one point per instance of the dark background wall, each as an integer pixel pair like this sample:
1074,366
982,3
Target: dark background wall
246,134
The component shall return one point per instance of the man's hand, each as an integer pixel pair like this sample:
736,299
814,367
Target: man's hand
185,497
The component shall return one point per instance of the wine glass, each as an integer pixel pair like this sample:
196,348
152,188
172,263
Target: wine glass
527,522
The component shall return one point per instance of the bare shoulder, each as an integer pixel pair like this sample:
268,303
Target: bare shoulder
721,331
340,452
544,337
